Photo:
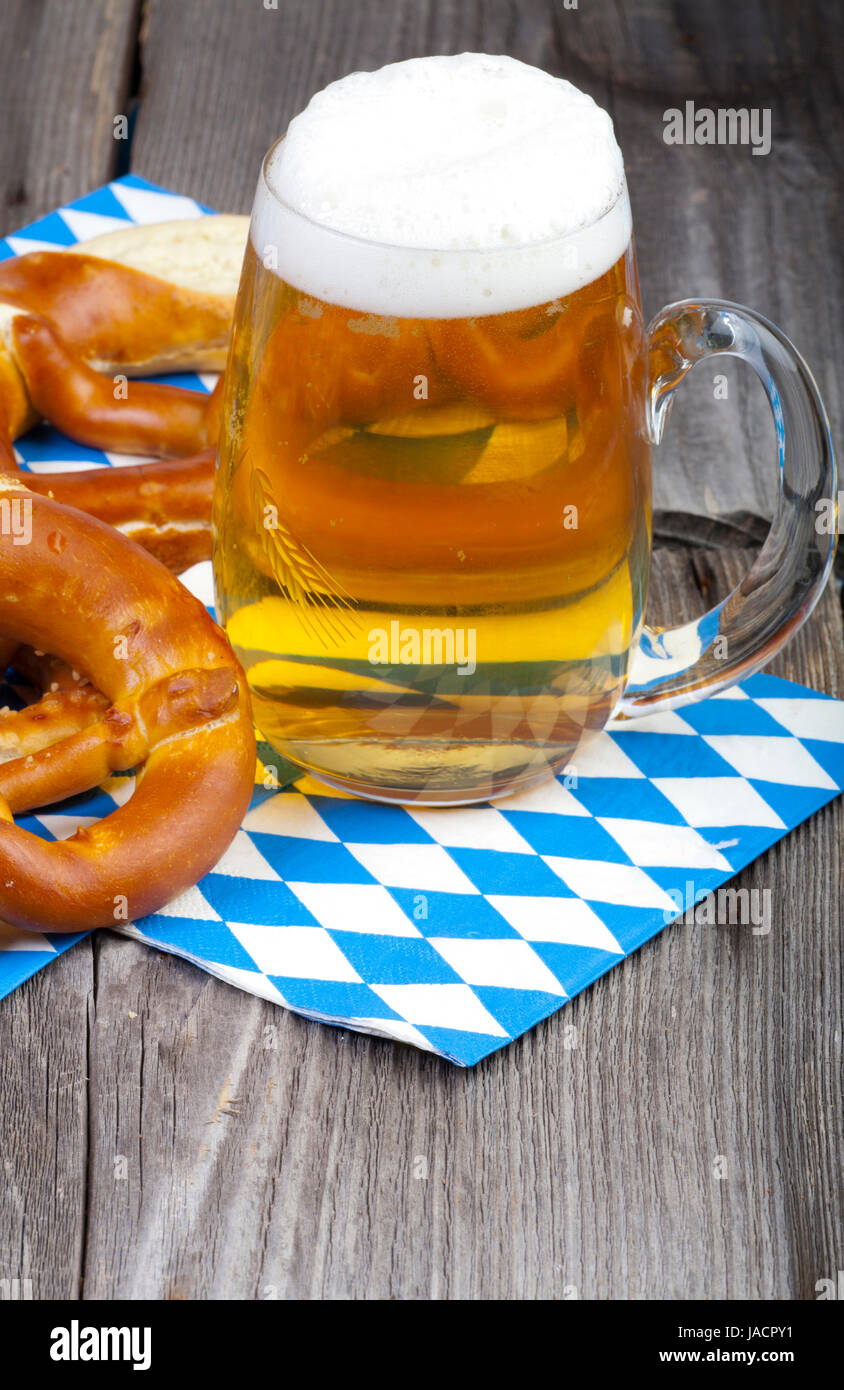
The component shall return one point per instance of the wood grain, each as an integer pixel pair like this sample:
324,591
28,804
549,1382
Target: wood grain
165,1135
44,1128
65,70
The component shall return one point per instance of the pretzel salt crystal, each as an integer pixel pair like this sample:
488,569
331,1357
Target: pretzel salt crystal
177,703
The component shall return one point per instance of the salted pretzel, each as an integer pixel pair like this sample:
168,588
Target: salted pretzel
129,668
166,694
78,325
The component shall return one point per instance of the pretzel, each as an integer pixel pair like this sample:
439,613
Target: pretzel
77,324
174,699
141,300
133,670
165,507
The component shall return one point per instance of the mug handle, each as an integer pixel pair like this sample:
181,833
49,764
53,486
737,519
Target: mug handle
675,665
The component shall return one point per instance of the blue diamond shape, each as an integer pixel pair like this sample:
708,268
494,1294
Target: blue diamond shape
332,997
630,798
765,687
101,201
367,822
517,1009
792,804
629,925
730,717
28,822
674,879
262,902
50,228
499,871
573,837
17,966
753,840
212,941
310,861
462,915
830,756
685,755
394,960
574,966
465,1049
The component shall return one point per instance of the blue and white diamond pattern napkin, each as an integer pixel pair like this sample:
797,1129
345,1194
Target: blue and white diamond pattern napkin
456,930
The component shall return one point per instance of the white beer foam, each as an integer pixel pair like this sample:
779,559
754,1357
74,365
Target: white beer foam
444,187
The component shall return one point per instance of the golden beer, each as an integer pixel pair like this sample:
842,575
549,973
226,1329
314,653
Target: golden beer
470,490
432,508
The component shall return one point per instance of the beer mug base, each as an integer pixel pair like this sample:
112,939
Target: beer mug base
453,775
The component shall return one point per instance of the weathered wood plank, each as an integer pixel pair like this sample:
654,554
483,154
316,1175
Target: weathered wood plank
267,1156
710,220
64,73
43,1128
279,1158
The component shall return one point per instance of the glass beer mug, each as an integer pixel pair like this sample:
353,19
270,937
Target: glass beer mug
432,505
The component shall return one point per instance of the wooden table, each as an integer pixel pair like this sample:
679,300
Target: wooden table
270,1157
